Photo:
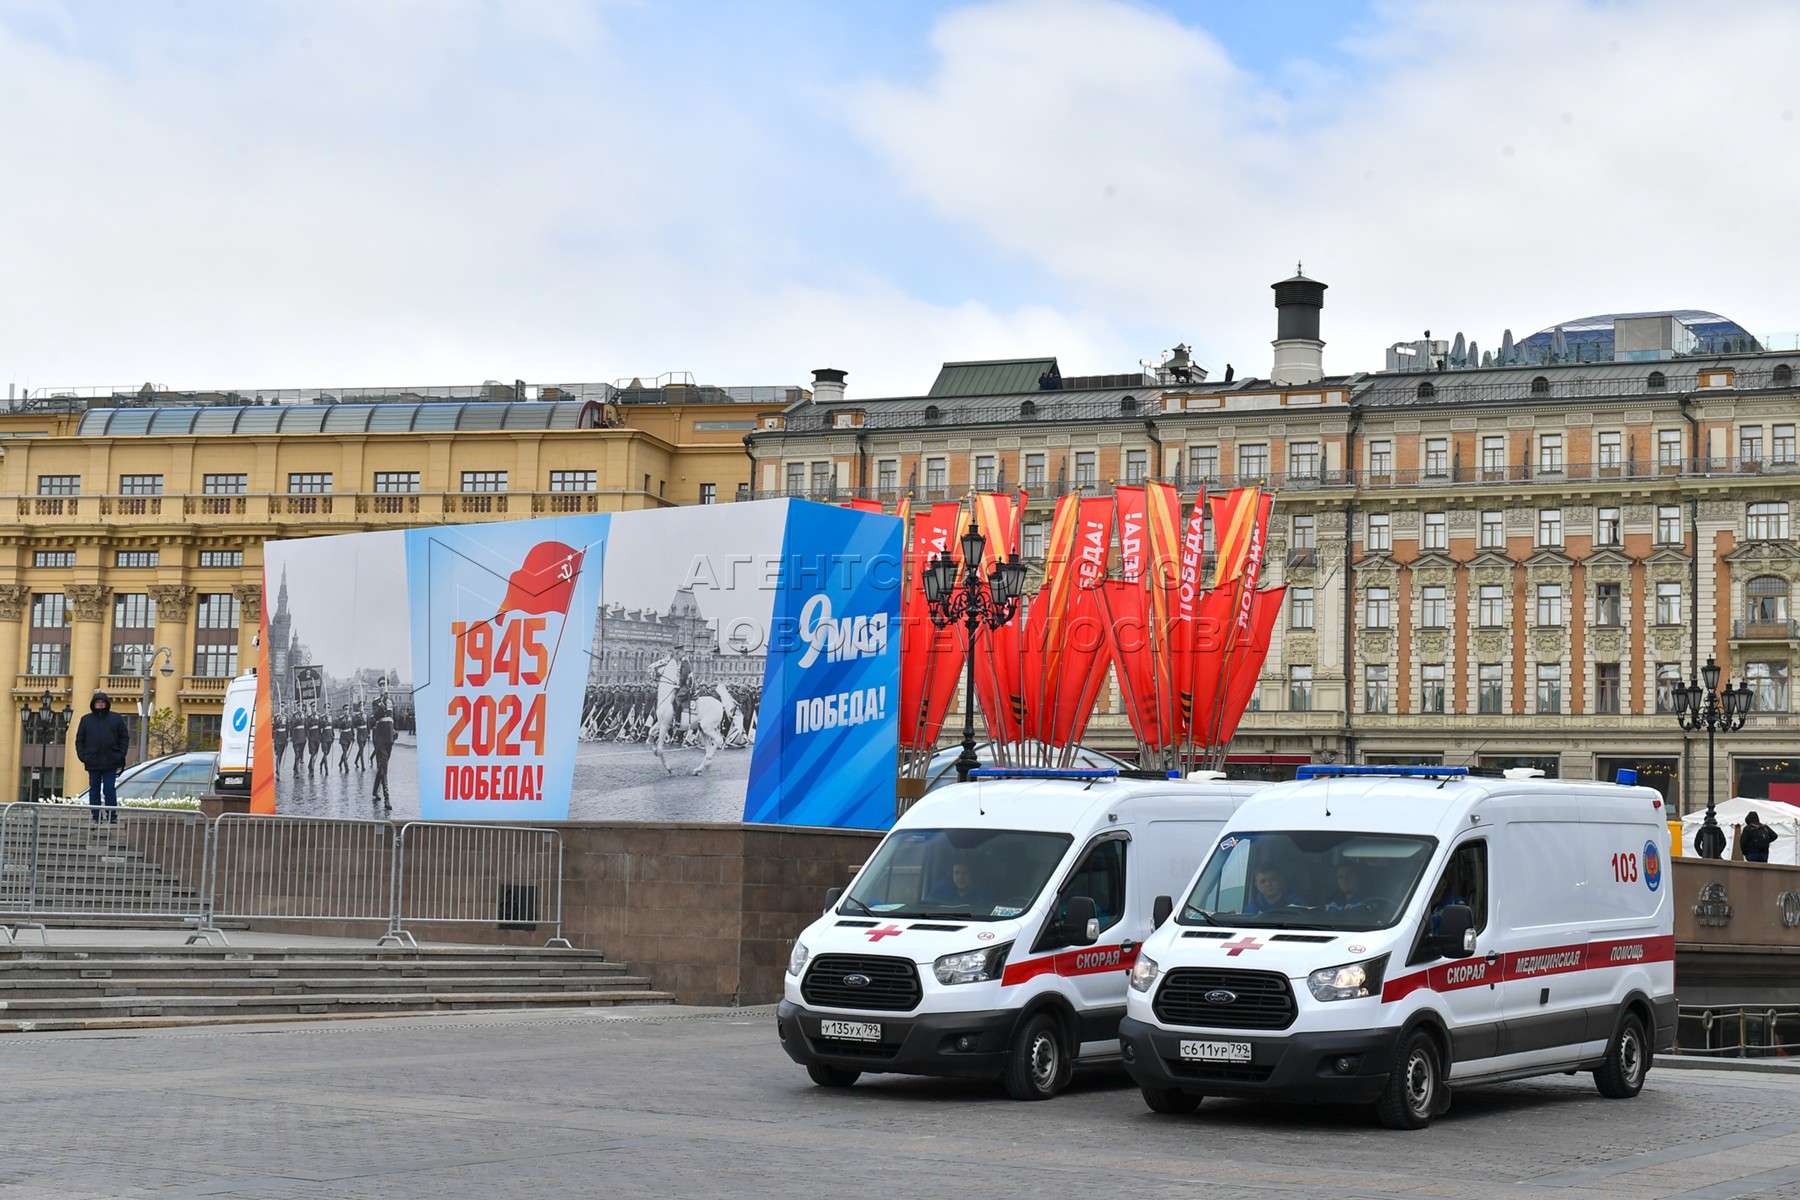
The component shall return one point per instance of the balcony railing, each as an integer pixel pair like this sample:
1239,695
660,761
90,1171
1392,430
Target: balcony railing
1765,631
36,685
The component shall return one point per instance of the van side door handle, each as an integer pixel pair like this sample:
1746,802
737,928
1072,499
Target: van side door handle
1492,957
1127,946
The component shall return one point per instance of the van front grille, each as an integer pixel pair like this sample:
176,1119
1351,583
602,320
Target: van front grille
893,983
1258,999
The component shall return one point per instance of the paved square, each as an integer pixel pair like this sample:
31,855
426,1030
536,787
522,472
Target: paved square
658,1102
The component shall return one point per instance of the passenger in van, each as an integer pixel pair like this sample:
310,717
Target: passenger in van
1272,892
1350,889
961,887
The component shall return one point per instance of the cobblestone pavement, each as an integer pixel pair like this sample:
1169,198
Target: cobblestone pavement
666,1102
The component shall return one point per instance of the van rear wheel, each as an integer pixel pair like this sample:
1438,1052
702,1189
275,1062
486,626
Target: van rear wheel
1621,1076
1039,1065
1414,1087
1171,1100
832,1077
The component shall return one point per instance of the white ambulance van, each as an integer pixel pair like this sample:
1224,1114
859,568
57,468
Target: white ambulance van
991,933
237,737
1379,934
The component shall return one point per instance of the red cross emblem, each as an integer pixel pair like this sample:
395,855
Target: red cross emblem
889,930
1233,949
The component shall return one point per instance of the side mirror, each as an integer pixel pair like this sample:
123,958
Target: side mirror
1161,910
1456,931
1082,926
832,896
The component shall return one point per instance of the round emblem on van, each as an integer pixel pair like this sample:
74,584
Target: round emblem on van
985,935
1652,866
1220,996
856,981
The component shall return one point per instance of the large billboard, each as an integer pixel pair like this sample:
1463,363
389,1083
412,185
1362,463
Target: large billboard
717,663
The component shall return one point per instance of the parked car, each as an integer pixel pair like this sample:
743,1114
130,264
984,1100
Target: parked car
186,774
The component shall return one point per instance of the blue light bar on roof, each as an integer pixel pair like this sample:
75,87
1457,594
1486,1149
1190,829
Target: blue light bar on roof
1044,773
1334,771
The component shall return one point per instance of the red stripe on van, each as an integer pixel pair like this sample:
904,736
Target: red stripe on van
1532,964
1088,960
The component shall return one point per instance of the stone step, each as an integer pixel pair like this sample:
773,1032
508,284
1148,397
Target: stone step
49,1013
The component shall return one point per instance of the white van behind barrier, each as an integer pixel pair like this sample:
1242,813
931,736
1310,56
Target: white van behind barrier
1380,934
991,932
237,737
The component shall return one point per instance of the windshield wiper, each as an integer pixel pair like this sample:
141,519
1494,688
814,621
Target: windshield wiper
866,909
1201,913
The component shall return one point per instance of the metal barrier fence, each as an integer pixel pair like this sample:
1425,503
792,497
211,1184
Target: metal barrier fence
57,862
454,873
1739,1030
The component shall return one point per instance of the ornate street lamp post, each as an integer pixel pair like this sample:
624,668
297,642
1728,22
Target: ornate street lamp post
976,603
44,726
147,706
1702,705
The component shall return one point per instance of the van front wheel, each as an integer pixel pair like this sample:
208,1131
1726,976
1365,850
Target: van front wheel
1038,1067
1414,1087
1170,1100
1621,1076
832,1077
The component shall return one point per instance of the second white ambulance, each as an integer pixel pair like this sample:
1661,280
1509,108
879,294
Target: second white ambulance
1379,934
991,932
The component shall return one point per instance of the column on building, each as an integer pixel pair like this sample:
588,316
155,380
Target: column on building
249,598
172,604
91,607
15,599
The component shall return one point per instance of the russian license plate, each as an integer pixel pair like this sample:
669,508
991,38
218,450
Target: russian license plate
1225,1052
850,1031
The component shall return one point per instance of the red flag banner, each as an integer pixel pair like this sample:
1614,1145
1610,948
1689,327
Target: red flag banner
927,674
1134,542
864,506
1205,651
1233,517
1127,610
544,583
1163,507
1247,661
1193,552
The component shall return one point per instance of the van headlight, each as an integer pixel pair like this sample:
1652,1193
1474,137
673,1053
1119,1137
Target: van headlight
1352,981
1143,973
971,966
797,960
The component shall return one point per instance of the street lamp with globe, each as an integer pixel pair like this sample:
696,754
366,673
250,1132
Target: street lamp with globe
44,726
1703,705
977,603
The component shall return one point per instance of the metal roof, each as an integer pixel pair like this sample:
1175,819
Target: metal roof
1006,376
924,412
1583,381
288,419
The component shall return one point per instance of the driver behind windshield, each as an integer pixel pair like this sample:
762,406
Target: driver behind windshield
1350,889
1272,892
961,887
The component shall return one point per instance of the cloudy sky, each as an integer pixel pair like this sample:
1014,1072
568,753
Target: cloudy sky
313,193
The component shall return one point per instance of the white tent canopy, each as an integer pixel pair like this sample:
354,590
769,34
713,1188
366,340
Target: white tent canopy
1784,819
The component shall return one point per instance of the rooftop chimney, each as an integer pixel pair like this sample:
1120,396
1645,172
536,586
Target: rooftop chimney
828,386
1299,353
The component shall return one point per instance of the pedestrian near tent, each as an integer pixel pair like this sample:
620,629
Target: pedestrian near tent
1753,842
101,742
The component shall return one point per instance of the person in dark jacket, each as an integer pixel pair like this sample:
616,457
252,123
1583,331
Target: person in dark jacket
1756,839
101,742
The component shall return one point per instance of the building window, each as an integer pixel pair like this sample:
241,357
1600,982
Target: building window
824,475
1606,604
1657,381
1549,527
1782,376
215,635
203,731
1612,449
931,414
574,481
1768,521
1375,688
1492,606
1488,687
1766,600
1203,462
1437,456
1668,678
1493,530
796,479
986,471
1607,530
1769,684
1034,470
216,611
1493,457
1668,604
1087,468
1379,608
49,647
1437,532
709,493
1668,524
1750,446
1128,406
1781,445
1550,604
1303,458
1300,681
1253,460
59,485
133,633
1434,608
1431,688
221,558
1381,459
1668,447
136,558
1034,542
1303,532
224,485
309,482
887,475
1426,390
1606,687
1028,410
1549,687
396,481
1300,608
53,558
1380,533
1137,466
484,481
1540,386
937,474
1550,453
140,485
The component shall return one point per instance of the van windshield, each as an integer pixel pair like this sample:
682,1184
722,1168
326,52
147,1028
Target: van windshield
980,874
1314,879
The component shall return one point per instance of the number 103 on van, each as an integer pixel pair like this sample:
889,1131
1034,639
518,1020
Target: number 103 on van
1625,868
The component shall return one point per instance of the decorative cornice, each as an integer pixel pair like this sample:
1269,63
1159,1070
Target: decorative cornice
14,598
172,601
88,600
